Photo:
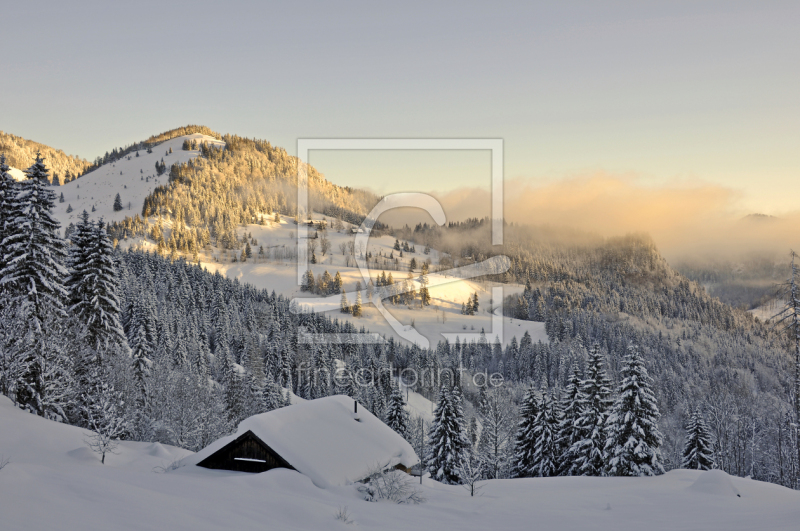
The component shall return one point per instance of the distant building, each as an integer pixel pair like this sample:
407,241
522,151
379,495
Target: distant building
318,223
331,440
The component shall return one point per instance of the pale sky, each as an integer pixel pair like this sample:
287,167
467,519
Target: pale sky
669,92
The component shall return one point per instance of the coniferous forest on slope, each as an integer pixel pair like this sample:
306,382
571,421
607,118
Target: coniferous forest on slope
151,348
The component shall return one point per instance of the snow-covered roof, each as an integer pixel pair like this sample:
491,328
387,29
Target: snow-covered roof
322,440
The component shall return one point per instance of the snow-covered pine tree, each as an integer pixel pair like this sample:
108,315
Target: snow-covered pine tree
447,441
32,281
8,195
524,446
396,414
308,282
588,452
424,293
234,399
32,270
337,283
568,432
93,289
273,399
356,310
141,365
698,453
632,447
472,431
117,203
546,455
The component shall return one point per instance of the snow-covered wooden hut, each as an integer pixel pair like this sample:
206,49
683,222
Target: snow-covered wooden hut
331,440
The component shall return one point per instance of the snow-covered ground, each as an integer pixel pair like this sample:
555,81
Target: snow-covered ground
53,481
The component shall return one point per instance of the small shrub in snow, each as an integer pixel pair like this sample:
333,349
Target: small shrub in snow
163,469
343,515
392,485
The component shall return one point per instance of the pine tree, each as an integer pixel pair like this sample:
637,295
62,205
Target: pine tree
396,414
568,432
546,455
424,293
117,203
524,447
93,288
356,310
337,283
698,451
141,365
234,399
344,306
308,282
8,195
448,443
273,399
587,453
32,280
32,269
632,447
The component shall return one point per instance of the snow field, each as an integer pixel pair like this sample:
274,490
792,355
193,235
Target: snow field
54,482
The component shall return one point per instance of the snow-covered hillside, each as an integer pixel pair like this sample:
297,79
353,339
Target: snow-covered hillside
135,177
53,481
132,177
443,316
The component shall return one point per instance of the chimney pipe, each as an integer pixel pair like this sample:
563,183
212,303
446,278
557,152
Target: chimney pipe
355,406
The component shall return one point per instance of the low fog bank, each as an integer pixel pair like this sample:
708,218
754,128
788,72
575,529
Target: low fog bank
686,221
700,229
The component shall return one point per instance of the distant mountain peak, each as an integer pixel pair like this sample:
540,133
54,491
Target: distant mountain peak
758,217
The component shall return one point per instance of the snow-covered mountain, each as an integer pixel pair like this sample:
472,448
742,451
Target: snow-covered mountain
134,177
21,153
